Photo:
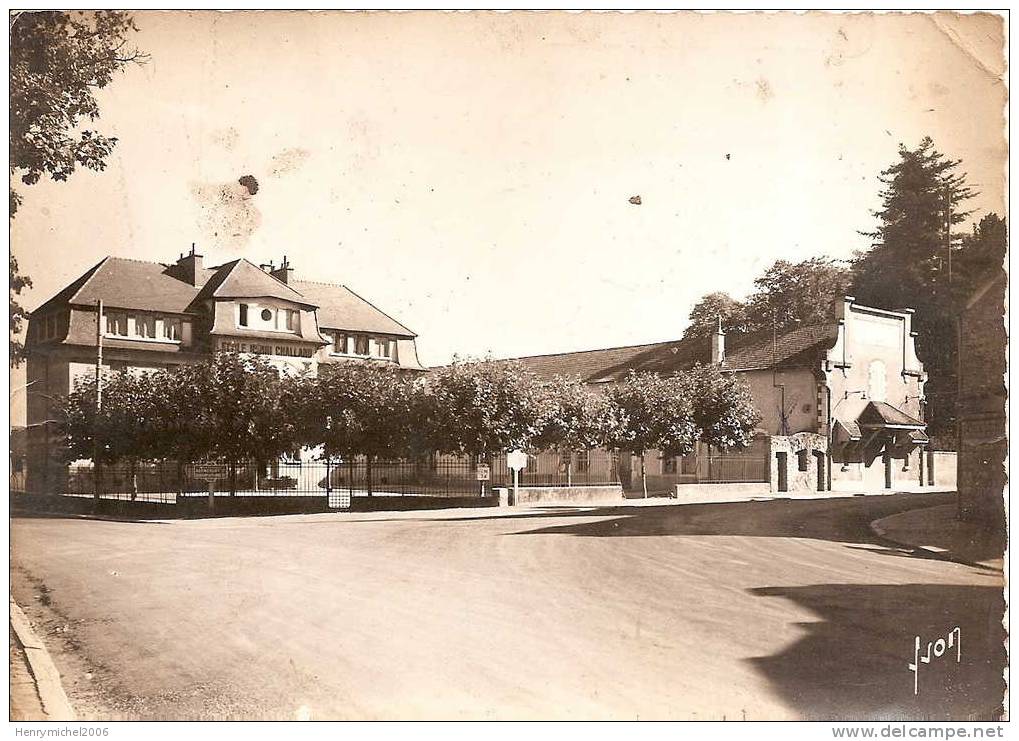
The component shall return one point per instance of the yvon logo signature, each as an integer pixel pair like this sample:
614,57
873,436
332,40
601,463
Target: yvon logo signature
939,646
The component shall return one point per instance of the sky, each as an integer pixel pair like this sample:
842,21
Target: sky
472,173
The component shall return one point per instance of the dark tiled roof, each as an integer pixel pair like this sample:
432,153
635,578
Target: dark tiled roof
127,284
149,286
880,413
243,279
341,308
796,348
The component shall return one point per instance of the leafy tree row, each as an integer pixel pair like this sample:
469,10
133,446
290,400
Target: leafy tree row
236,409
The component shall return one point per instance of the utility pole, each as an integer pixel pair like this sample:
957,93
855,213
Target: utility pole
99,400
948,228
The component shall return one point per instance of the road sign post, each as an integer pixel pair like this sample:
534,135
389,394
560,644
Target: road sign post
516,460
210,473
483,474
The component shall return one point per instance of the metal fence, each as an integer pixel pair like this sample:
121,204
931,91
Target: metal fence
165,481
751,464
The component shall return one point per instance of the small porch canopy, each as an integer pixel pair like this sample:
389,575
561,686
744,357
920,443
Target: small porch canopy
863,431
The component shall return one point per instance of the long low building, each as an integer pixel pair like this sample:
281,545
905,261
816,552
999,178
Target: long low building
842,406
157,315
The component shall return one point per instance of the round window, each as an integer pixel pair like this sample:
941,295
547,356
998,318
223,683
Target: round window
266,315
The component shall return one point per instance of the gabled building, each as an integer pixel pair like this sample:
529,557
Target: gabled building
841,402
158,315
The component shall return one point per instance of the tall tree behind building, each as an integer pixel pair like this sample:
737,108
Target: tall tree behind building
914,261
786,295
57,62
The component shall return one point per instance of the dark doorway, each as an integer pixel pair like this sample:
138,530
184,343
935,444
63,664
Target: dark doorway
783,471
821,478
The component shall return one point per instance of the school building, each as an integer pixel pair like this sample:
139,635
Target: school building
156,315
842,406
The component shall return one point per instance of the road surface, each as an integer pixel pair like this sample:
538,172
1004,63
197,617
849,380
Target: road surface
756,610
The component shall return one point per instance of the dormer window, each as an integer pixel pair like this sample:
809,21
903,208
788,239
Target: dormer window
267,318
152,327
145,327
171,329
116,324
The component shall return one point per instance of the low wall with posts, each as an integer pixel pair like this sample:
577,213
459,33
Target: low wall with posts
722,492
536,495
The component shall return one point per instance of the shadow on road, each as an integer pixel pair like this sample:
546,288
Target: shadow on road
843,520
853,662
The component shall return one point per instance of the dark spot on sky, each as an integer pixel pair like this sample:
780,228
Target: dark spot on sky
635,200
249,182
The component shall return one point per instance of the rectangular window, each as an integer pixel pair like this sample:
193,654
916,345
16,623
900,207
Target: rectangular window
145,326
669,464
361,344
171,329
289,317
380,348
340,343
242,317
116,324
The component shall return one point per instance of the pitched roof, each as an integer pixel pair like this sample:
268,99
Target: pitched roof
341,308
124,283
243,279
883,414
127,284
795,348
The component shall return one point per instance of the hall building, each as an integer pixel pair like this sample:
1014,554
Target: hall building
841,404
157,315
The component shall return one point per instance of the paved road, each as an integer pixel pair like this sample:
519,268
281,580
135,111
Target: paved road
762,610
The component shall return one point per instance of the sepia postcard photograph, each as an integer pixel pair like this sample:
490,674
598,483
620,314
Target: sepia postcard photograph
508,366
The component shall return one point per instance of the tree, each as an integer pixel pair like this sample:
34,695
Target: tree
18,314
982,255
574,417
360,409
912,263
654,413
245,412
121,428
723,407
802,293
182,428
704,316
481,407
57,60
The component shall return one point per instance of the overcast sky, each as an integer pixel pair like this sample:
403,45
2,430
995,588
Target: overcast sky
471,173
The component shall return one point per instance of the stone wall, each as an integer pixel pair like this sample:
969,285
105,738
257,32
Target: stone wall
804,453
983,439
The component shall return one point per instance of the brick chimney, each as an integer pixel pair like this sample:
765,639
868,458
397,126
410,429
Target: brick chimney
189,268
718,345
284,272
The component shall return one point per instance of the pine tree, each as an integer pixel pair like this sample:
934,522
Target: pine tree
914,262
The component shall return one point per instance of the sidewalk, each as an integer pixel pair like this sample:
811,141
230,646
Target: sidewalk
936,529
36,691
25,702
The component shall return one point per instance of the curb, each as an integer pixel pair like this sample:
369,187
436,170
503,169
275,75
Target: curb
882,533
47,679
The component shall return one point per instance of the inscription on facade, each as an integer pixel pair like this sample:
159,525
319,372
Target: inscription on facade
265,348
